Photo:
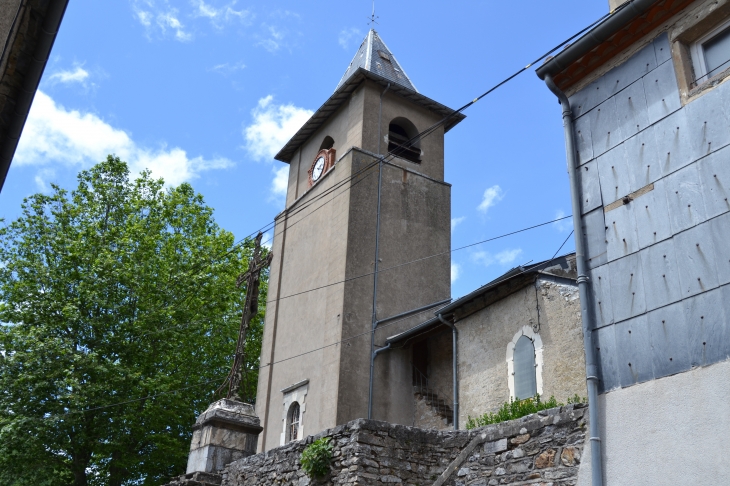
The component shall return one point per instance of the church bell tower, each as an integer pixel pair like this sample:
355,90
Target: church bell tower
365,236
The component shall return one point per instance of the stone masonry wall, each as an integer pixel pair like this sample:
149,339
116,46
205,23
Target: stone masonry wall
543,449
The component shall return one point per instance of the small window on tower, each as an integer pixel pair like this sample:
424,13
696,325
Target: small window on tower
292,422
384,55
403,140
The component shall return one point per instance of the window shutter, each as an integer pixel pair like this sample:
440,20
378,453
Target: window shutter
524,368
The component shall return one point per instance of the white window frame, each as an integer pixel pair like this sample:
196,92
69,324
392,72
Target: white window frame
529,332
294,393
698,54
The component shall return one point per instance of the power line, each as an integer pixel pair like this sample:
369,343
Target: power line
368,332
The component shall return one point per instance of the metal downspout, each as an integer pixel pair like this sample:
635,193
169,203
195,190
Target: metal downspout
455,368
374,353
380,116
583,288
375,270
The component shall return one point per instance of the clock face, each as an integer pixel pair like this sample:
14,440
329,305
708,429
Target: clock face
318,168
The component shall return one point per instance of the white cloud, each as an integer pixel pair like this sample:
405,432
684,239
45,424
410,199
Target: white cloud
228,67
504,257
279,184
348,35
564,224
41,179
219,16
275,40
455,271
267,240
491,197
456,222
273,125
77,75
54,135
160,16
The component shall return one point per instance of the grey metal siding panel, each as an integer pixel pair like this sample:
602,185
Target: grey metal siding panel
684,199
583,139
706,319
662,92
621,235
590,187
652,216
669,340
673,144
662,50
696,260
714,174
613,174
594,230
709,129
605,131
602,304
720,231
627,287
631,109
661,277
605,343
634,351
643,159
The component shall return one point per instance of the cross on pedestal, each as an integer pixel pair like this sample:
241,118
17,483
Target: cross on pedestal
251,306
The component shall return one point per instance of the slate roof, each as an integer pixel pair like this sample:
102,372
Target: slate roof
370,62
374,56
557,267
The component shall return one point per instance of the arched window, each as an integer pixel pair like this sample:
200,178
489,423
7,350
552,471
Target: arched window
524,364
292,422
400,131
525,372
327,143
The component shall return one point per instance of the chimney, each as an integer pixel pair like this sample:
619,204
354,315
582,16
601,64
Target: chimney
614,4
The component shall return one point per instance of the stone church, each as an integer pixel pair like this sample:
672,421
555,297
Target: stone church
360,323
348,217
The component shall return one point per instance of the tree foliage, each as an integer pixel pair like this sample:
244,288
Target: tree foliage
120,315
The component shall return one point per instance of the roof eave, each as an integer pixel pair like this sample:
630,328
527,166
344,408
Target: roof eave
622,16
333,103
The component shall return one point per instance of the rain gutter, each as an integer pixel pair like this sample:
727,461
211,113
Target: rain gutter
617,21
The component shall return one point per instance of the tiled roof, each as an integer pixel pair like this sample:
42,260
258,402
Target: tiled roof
374,56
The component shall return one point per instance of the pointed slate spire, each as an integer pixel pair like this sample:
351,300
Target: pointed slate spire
375,56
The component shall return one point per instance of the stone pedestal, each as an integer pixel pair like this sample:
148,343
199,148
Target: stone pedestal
224,433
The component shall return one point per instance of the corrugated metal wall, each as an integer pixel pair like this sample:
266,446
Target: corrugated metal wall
660,264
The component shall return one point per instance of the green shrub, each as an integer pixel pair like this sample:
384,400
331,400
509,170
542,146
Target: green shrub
576,399
515,409
316,458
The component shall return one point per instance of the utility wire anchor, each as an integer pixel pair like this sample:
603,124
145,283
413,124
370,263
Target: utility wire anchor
252,280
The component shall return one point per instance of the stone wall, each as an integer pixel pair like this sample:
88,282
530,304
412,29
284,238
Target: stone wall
546,446
550,308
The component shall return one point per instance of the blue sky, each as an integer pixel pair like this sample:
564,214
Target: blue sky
208,91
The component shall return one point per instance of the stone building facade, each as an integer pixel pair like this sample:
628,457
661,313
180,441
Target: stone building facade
539,302
649,102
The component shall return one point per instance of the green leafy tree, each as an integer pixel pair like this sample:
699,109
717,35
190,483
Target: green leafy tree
119,315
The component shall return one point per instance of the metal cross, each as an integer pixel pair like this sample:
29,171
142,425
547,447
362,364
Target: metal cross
373,17
251,278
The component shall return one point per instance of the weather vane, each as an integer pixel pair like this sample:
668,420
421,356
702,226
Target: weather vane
373,17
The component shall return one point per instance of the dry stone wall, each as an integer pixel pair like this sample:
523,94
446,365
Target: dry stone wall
541,449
